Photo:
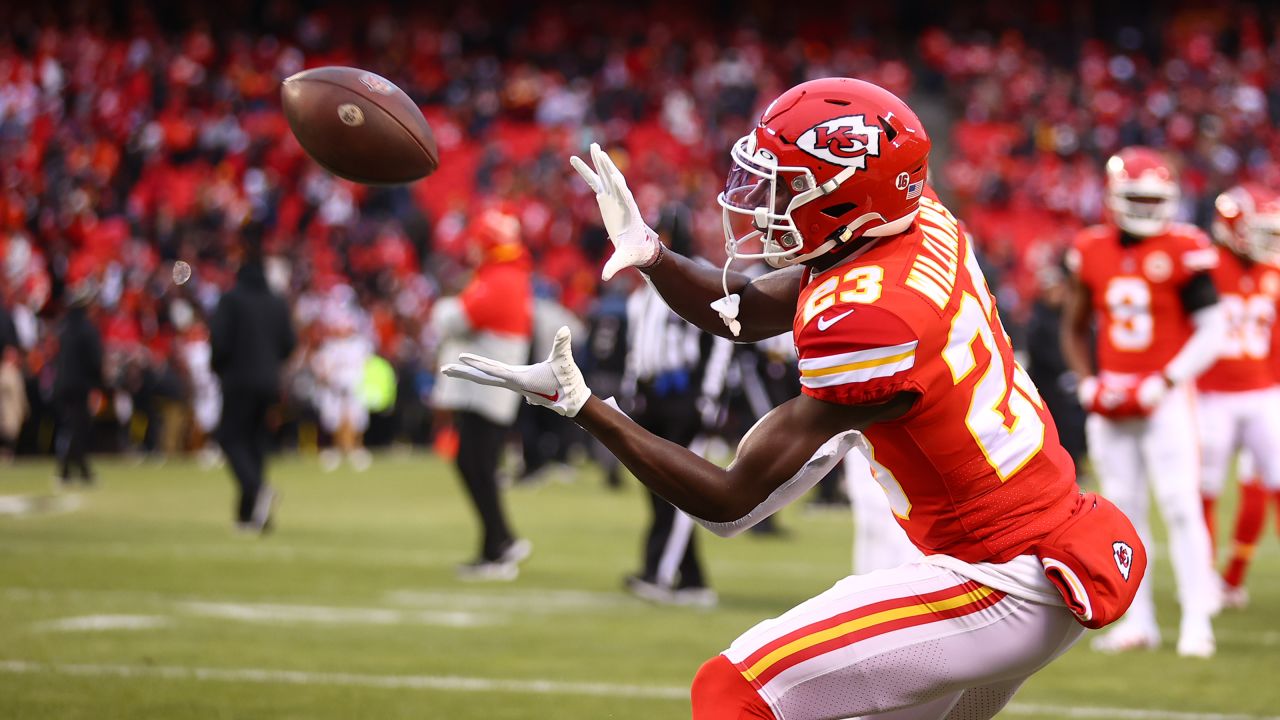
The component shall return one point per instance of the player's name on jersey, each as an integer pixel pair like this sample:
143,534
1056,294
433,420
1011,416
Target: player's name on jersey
933,273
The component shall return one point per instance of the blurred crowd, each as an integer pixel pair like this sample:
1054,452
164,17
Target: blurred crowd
142,150
1034,122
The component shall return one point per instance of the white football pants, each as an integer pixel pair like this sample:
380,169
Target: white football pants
917,642
1231,421
1160,454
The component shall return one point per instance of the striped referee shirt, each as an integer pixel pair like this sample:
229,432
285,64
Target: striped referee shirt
658,340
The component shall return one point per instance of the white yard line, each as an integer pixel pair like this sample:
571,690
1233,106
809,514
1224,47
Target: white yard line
457,683
407,603
246,611
293,677
318,614
445,608
99,623
1112,713
22,506
527,600
234,551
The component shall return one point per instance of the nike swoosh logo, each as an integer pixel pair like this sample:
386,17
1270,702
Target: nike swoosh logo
824,323
550,398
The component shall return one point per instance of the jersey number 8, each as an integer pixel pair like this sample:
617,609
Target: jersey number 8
1129,301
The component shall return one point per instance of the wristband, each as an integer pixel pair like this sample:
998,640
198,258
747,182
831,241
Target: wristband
657,258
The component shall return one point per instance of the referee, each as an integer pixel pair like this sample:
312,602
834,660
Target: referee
664,367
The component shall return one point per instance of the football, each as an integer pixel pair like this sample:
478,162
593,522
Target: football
358,125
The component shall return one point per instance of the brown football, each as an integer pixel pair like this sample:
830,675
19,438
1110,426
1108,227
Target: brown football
359,125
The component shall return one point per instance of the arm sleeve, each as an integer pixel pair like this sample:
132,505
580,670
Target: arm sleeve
220,332
288,339
1201,350
93,347
865,357
817,467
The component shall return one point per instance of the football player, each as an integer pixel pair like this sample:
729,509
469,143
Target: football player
1145,280
1239,406
902,355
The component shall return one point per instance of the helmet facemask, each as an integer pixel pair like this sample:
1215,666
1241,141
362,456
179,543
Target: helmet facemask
757,203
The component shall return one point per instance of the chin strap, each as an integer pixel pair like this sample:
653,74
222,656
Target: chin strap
838,248
727,306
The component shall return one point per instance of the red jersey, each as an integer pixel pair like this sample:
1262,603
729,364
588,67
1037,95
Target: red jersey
974,470
1249,293
499,298
1136,293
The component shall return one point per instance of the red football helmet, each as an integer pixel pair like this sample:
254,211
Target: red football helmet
1142,191
831,160
495,236
1247,220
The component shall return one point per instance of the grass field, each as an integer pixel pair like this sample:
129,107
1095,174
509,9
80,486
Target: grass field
135,600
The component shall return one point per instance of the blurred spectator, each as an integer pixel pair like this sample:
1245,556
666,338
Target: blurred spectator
338,365
78,373
1048,368
250,337
13,400
8,330
493,317
206,395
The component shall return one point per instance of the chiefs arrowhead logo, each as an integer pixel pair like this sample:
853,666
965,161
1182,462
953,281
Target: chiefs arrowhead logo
1124,557
846,141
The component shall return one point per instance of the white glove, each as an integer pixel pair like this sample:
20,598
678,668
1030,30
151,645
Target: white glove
555,383
1087,392
1152,390
634,243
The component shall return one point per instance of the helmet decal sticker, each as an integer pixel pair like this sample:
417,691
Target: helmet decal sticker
847,141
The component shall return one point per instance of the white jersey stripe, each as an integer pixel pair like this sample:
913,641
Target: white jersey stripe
808,365
859,376
861,368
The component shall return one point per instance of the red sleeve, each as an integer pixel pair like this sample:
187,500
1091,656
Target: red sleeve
857,355
1196,254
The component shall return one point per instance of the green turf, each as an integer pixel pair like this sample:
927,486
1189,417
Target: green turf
368,559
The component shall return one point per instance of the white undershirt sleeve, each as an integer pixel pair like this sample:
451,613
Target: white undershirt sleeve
805,478
1202,349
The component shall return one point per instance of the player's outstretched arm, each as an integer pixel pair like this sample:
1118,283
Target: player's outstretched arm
768,472
785,454
766,306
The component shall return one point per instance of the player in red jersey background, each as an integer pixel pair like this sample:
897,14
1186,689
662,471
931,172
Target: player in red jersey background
902,355
1239,406
1145,281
